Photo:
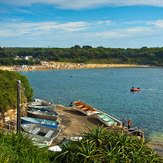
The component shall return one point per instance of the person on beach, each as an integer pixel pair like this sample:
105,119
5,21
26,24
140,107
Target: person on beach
129,123
124,121
71,104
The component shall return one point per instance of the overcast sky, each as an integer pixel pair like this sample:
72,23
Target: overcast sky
65,23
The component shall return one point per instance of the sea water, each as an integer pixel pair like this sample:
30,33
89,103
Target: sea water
108,90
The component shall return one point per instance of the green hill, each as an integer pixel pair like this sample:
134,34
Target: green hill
8,90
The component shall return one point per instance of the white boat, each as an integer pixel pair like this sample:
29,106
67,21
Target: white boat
41,134
108,120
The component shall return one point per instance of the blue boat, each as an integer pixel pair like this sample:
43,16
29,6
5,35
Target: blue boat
43,122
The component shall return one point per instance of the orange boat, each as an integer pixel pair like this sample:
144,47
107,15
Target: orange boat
84,108
135,89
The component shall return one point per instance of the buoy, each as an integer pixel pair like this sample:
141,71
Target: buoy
150,95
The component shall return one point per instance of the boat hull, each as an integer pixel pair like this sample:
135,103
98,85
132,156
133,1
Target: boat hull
36,114
43,122
84,108
108,120
135,89
41,134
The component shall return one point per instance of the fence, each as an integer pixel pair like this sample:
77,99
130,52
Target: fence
7,125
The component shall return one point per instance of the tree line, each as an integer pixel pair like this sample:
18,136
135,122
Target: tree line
85,54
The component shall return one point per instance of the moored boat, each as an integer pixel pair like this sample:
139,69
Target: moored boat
108,120
41,134
84,108
43,122
49,115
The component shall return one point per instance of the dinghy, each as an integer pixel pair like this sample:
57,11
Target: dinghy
108,120
43,122
41,134
84,108
49,115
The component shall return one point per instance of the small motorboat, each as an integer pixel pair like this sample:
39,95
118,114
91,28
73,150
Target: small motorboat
135,89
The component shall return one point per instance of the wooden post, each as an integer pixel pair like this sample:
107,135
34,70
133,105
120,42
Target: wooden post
18,106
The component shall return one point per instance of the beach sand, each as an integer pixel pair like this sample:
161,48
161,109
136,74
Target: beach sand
64,65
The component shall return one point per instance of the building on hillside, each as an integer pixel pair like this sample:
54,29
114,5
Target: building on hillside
28,57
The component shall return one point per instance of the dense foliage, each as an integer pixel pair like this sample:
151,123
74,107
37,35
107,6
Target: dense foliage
102,146
12,61
17,148
87,54
98,146
8,89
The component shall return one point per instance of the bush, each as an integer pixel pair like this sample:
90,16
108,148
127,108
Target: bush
8,90
99,145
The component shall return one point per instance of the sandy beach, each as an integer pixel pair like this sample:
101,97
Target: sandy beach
64,65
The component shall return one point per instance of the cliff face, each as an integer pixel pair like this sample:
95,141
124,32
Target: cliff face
8,120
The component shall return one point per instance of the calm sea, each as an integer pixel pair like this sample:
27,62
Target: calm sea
108,90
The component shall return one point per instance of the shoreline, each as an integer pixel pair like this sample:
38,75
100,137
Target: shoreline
65,65
71,119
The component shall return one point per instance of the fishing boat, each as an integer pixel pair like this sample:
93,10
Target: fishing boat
41,134
43,122
84,108
36,107
43,114
135,89
108,120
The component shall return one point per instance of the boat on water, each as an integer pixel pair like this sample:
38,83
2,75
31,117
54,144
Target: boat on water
41,134
43,122
135,89
43,114
108,120
84,108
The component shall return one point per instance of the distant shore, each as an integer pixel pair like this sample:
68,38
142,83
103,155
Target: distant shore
64,65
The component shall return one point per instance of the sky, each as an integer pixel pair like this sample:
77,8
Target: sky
65,23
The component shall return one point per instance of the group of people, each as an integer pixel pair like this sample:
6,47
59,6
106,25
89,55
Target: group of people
124,121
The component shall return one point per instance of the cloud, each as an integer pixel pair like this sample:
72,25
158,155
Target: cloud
107,22
84,4
15,28
124,33
157,23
